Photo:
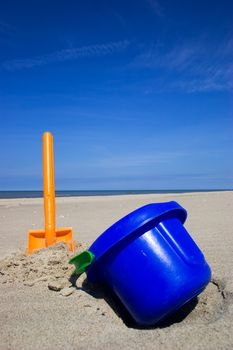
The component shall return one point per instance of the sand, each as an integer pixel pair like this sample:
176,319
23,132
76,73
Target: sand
41,307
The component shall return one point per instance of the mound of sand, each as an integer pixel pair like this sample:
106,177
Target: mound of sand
48,266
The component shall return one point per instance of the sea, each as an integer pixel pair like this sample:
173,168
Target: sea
78,193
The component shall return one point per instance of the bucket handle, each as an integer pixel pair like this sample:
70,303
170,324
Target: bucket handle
82,261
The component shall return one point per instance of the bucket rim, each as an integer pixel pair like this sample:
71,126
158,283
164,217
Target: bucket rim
134,222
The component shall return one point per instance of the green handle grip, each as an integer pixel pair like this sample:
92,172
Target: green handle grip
82,261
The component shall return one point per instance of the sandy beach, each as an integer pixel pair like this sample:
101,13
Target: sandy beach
32,316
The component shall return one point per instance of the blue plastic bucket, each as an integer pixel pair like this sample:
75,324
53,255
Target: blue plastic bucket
150,262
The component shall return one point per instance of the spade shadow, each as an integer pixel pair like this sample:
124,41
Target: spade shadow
102,292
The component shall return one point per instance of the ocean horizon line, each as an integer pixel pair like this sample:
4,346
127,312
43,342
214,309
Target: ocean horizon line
11,194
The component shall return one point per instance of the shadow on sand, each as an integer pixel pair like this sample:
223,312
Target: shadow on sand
113,301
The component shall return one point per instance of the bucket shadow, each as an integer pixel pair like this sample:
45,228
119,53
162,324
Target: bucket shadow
179,315
100,292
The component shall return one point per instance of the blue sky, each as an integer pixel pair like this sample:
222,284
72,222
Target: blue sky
138,94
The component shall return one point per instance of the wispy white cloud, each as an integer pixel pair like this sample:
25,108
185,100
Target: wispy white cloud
176,58
5,27
7,34
156,7
202,85
139,160
67,55
194,67
110,163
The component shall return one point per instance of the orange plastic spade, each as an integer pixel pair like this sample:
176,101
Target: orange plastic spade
38,239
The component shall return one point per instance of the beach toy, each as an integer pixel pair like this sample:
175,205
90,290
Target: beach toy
149,261
38,239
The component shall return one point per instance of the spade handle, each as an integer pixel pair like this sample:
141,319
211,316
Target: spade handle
49,189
